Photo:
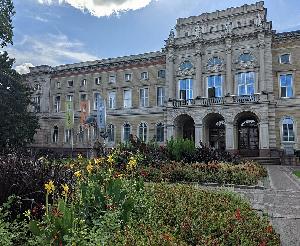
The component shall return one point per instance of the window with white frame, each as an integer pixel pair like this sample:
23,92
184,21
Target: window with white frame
70,83
127,98
111,133
285,59
55,134
160,94
128,77
246,83
143,132
37,104
288,134
112,100
286,85
98,81
144,75
160,132
144,97
96,100
57,85
186,89
68,135
83,83
161,73
57,104
69,98
112,78
83,97
214,86
126,132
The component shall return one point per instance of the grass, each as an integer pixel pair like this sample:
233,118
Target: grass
297,173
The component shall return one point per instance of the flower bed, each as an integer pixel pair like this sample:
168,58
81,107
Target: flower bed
106,205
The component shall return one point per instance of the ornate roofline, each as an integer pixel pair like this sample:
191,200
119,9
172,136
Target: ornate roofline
283,36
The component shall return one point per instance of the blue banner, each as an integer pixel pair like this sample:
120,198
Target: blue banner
101,113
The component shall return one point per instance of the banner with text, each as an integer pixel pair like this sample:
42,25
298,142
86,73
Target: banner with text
69,115
84,111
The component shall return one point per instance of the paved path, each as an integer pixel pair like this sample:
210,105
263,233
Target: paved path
281,200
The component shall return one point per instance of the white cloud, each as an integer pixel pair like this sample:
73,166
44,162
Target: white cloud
50,49
102,7
23,68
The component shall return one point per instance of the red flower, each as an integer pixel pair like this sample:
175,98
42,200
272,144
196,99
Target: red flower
263,243
238,214
269,229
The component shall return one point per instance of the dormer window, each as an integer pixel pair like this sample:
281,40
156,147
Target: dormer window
285,59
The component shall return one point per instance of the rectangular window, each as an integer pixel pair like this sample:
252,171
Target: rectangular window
288,130
186,89
128,77
285,59
37,104
126,132
160,132
144,75
69,98
144,97
58,85
161,73
112,79
286,85
111,133
127,99
57,104
112,100
83,97
83,83
96,100
160,96
98,81
70,83
214,85
246,83
68,136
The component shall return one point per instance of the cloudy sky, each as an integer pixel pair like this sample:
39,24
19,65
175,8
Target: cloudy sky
58,32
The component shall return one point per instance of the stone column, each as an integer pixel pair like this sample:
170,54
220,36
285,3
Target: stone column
198,81
170,75
264,143
261,46
228,86
229,136
198,134
170,131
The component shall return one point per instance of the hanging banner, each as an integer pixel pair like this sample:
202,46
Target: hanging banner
84,111
69,117
101,112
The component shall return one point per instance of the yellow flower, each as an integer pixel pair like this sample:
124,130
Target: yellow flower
89,168
79,156
78,174
49,187
110,159
97,160
65,189
131,164
27,214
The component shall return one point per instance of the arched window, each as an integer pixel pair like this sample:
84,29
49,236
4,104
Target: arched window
160,132
111,133
55,134
288,134
126,132
215,61
246,57
143,132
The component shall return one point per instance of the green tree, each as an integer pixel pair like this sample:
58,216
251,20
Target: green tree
17,124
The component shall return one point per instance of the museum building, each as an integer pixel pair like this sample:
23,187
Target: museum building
225,79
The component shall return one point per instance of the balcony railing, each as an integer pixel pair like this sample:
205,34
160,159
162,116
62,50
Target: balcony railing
247,99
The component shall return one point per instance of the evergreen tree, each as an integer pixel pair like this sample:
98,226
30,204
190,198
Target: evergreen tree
17,124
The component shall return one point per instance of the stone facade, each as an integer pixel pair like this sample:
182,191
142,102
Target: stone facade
224,79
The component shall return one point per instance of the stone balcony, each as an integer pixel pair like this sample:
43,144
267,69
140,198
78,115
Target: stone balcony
206,102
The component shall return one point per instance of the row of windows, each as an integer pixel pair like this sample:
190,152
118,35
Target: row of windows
112,79
126,131
111,102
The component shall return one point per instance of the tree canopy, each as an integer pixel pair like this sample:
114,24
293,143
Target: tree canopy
17,124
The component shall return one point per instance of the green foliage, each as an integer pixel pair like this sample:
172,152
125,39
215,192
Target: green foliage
297,173
179,147
6,13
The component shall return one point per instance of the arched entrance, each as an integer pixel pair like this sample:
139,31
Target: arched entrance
248,134
214,131
184,127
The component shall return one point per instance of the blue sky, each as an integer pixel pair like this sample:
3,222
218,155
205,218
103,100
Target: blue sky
58,32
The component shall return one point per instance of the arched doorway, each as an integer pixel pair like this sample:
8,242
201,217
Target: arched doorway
184,127
214,131
248,134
